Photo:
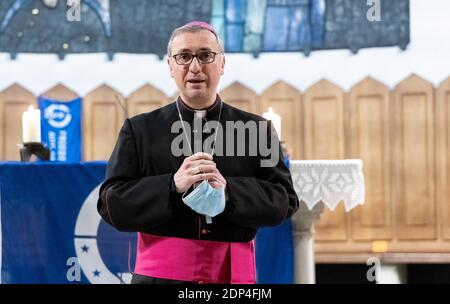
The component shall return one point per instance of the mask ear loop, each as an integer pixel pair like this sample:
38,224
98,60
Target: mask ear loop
184,196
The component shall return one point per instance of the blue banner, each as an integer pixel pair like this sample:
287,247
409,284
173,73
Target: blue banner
51,231
61,128
274,252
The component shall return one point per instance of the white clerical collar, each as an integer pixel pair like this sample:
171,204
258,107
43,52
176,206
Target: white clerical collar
200,113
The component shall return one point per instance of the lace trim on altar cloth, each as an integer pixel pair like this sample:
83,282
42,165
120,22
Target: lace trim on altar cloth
329,181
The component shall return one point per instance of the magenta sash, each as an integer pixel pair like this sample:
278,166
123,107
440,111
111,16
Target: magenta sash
195,260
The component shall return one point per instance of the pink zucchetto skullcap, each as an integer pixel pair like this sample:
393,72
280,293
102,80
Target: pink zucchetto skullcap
202,24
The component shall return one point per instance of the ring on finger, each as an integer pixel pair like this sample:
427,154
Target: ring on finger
196,170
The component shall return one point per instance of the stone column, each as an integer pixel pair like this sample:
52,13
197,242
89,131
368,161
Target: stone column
303,225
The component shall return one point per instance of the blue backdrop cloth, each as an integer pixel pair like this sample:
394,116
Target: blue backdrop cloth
50,230
274,251
275,254
61,128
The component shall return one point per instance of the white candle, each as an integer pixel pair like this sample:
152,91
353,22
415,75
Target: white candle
31,125
275,119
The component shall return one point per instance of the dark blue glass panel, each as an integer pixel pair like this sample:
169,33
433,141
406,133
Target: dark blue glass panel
317,22
235,36
288,2
277,29
299,29
236,10
252,43
256,12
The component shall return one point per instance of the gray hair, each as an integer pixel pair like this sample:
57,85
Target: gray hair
192,28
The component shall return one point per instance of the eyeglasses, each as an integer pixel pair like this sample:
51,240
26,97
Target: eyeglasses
204,57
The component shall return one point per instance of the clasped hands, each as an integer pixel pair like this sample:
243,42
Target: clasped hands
195,169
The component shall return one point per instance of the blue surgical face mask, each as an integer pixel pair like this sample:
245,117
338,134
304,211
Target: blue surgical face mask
206,200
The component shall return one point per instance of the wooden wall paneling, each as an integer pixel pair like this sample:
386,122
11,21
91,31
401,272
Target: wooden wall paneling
413,180
369,133
324,139
103,117
286,102
14,100
60,92
241,97
443,156
146,99
402,136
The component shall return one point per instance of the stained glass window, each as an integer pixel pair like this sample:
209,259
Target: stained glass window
251,26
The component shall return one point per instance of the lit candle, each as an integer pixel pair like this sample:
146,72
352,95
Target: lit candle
275,119
31,125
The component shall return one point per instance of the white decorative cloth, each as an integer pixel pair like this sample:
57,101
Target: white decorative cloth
329,181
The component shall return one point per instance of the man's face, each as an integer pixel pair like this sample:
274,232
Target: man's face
196,82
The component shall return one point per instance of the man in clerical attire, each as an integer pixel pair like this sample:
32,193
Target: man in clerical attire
195,193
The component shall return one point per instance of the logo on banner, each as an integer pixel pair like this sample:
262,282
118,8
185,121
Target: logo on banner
86,246
61,128
58,115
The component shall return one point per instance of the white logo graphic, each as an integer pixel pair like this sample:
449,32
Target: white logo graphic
58,115
86,246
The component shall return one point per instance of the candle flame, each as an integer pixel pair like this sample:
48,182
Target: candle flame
30,108
270,110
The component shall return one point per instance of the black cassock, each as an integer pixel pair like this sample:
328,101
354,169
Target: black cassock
139,193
